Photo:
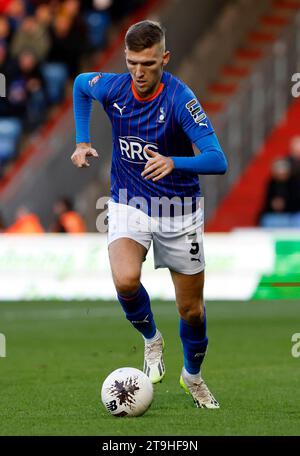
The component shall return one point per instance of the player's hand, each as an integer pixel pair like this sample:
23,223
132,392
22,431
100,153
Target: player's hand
158,166
79,157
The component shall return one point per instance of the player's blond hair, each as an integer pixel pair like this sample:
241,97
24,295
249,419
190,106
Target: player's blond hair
144,34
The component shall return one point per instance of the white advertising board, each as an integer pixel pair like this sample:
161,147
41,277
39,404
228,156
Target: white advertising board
77,267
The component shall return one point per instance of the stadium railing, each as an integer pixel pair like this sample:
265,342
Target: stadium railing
257,106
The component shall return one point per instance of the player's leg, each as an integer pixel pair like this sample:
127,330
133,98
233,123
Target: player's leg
191,308
126,257
181,250
190,305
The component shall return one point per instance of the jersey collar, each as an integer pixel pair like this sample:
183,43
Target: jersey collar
152,97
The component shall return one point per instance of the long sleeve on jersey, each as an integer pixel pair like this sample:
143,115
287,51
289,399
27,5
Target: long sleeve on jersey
88,87
82,108
211,160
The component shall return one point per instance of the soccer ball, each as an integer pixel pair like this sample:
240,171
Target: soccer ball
127,392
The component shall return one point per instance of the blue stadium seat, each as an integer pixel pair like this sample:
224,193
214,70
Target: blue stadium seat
97,24
271,220
55,76
10,133
295,220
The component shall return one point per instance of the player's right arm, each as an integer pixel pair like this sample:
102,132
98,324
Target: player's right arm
87,87
82,151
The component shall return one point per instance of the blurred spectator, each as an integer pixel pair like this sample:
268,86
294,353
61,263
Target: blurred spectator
2,224
5,30
5,68
294,161
68,43
120,8
16,12
277,199
96,5
67,219
26,93
41,45
70,8
44,15
26,223
3,57
31,35
117,8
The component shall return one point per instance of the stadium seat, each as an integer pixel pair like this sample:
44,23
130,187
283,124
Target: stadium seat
295,220
271,220
10,133
97,22
55,75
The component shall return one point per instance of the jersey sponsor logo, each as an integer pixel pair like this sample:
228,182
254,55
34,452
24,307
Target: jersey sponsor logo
197,112
115,105
95,79
133,149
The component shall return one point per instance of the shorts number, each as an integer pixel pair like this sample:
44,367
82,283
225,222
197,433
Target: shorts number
195,248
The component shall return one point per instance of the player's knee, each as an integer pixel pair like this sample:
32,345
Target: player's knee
192,312
126,283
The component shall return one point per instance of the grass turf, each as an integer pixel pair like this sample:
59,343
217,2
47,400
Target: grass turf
58,355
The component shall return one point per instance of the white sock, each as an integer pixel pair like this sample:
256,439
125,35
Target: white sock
156,336
191,377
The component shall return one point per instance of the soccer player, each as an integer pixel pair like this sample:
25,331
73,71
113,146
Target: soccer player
155,120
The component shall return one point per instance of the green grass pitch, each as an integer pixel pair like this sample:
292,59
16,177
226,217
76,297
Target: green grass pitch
59,353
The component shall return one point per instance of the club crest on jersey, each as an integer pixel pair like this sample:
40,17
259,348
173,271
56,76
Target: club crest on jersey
197,112
162,115
95,79
133,149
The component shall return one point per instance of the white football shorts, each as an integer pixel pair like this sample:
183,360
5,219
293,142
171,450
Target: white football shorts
177,241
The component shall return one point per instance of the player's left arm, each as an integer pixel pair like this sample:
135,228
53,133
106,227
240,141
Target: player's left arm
158,166
194,122
191,117
211,160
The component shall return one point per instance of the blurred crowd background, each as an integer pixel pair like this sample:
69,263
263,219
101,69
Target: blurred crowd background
65,220
45,44
281,206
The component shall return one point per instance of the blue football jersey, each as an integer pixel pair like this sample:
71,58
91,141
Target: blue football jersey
167,122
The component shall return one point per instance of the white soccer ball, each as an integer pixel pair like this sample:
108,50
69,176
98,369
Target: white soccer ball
127,392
